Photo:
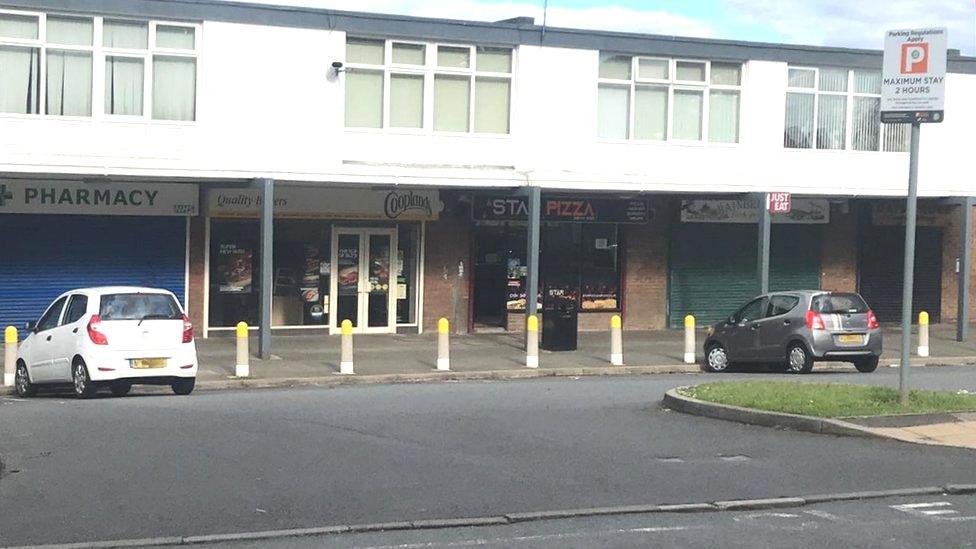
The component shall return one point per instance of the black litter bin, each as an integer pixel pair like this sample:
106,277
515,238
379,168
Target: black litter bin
559,321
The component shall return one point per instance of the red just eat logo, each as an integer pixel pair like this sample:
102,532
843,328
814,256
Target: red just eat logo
914,58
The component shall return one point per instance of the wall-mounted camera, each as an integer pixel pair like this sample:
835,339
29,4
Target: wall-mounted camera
335,70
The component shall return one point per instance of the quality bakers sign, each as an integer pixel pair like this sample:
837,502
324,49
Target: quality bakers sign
83,198
329,203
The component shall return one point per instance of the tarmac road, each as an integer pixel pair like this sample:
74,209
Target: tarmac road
239,461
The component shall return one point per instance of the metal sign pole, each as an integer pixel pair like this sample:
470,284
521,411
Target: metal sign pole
909,274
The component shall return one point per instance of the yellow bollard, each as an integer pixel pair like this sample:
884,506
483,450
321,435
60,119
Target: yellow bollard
443,345
532,342
345,359
923,334
243,366
9,355
616,341
689,339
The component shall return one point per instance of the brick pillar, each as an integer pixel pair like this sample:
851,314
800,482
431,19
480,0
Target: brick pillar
645,265
838,262
446,287
951,240
198,263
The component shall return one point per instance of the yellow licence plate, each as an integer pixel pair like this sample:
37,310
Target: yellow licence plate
850,338
144,363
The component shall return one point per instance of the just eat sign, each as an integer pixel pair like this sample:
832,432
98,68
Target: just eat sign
779,203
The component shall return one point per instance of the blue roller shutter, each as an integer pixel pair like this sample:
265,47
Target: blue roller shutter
47,255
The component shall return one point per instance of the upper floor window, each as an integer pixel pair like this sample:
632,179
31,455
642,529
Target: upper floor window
444,88
834,108
48,65
647,98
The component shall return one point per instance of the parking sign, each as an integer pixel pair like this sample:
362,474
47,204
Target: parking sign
913,79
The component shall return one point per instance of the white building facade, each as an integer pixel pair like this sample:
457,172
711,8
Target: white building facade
399,150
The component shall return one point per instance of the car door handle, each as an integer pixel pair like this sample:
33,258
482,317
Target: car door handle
756,326
49,338
75,331
786,323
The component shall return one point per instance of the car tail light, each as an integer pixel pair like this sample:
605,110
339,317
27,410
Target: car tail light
815,321
187,330
94,331
872,321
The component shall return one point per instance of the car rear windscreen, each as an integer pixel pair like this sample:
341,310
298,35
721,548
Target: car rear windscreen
139,307
833,304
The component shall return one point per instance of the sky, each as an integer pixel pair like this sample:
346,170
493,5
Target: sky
846,23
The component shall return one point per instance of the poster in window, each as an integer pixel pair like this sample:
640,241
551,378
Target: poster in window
348,259
599,297
515,294
234,268
311,274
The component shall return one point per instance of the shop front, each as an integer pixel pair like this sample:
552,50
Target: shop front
581,255
338,254
881,261
62,235
712,264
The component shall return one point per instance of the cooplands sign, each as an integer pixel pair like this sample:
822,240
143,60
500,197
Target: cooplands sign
329,203
913,76
103,198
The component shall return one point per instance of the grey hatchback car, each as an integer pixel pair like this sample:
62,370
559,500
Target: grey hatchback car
796,329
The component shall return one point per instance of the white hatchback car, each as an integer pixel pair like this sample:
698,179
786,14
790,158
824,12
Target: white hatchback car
109,336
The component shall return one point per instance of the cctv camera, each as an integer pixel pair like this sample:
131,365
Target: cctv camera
337,65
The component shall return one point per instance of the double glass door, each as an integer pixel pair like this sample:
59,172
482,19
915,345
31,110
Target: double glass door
362,287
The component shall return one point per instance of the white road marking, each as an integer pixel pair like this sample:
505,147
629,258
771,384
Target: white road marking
538,537
754,516
905,506
823,514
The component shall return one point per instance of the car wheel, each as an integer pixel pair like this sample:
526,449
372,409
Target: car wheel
22,382
798,359
120,388
184,386
84,388
866,365
716,359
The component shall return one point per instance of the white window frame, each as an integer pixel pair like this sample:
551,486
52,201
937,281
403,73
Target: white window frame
672,83
429,70
99,53
851,94
42,46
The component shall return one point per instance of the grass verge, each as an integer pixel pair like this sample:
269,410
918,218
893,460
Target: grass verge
828,399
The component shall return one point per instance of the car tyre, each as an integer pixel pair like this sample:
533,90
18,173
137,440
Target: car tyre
184,386
120,388
798,359
866,365
716,359
84,387
22,382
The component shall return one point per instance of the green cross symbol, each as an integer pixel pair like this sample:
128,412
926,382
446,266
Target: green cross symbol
5,195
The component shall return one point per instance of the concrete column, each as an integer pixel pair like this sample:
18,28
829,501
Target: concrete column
762,264
267,265
965,268
534,204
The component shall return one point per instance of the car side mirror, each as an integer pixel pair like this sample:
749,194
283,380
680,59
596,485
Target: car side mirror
30,326
731,320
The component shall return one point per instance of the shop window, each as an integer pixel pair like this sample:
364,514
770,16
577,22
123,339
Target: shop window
234,272
599,268
408,254
302,251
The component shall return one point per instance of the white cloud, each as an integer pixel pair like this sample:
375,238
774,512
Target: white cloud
857,23
605,17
